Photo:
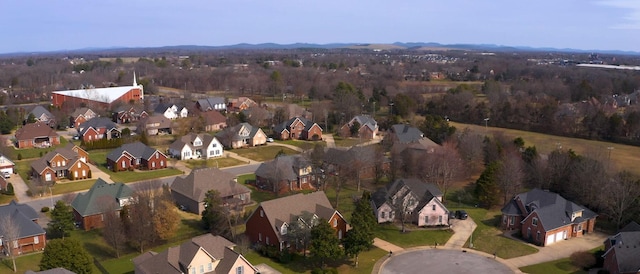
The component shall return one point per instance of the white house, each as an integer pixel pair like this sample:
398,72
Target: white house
6,165
171,111
196,146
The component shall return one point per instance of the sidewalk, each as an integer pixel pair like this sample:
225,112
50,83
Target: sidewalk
287,146
462,231
384,245
238,157
329,139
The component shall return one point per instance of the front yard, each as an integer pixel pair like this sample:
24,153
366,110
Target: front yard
219,162
413,237
99,157
558,266
263,153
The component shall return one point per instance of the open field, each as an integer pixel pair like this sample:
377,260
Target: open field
263,153
623,157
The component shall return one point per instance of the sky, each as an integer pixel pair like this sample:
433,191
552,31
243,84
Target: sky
37,25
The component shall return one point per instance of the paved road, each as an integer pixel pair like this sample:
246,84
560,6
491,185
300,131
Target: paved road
562,249
442,261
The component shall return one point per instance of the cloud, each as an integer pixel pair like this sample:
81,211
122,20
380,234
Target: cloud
631,11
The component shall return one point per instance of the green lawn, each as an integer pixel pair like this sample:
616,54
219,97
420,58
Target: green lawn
29,153
558,266
488,238
305,145
347,142
23,168
418,237
263,153
99,157
23,263
5,199
216,162
72,186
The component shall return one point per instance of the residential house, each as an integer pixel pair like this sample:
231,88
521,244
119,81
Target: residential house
31,237
57,270
268,224
242,135
41,114
287,173
37,134
136,156
80,116
545,217
240,104
69,162
298,128
213,120
366,161
88,207
126,114
155,125
196,146
419,201
190,191
171,111
98,128
622,251
6,165
364,126
404,134
202,254
211,103
3,183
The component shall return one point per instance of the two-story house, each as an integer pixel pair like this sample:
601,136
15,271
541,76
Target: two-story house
269,223
41,114
171,111
98,128
89,207
136,156
69,162
126,114
242,135
622,250
196,146
285,173
298,128
211,103
361,126
30,235
190,191
545,217
80,116
154,125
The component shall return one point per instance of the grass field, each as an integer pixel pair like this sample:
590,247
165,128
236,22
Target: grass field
23,263
305,145
72,186
558,266
215,162
347,142
623,157
417,237
263,153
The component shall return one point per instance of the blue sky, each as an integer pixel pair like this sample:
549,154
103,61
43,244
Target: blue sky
36,25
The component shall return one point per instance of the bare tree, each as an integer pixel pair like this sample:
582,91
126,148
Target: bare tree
510,174
114,230
403,203
10,230
442,167
621,197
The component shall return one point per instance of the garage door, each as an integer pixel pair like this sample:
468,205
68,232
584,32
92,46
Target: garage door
559,236
550,239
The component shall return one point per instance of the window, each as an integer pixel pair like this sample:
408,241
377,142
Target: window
335,222
157,156
53,164
58,163
340,234
504,219
267,239
36,240
538,236
64,163
382,214
201,268
153,164
161,163
15,244
78,164
426,219
433,207
240,269
75,174
47,177
84,173
261,213
193,270
209,267
260,237
440,219
534,221
513,220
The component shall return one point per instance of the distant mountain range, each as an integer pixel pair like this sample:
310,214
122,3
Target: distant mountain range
272,46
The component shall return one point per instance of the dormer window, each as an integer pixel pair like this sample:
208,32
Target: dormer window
534,221
283,229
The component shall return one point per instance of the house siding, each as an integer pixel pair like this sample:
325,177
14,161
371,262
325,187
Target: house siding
83,167
429,217
117,165
155,163
314,130
191,205
389,214
89,222
611,263
28,245
340,225
256,225
510,222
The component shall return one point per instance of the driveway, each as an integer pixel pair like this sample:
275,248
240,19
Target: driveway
19,188
329,139
559,250
462,231
442,261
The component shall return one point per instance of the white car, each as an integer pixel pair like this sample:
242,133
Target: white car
269,140
6,175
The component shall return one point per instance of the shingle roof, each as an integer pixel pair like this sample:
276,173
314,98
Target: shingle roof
199,181
285,209
511,208
626,246
97,122
34,130
91,202
424,191
38,111
236,130
283,167
632,226
58,270
190,138
213,117
229,261
22,215
365,120
137,149
80,111
163,122
407,133
210,103
553,210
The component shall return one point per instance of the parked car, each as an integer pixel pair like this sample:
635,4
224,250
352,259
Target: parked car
269,140
461,214
452,215
6,175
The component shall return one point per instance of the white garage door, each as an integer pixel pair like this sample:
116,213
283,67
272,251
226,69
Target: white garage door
7,169
550,239
559,236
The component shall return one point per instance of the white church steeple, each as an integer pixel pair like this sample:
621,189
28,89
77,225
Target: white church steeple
135,83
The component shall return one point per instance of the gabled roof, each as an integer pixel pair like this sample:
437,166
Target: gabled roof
163,122
38,111
162,107
92,202
553,210
96,123
5,161
236,131
230,259
422,190
632,226
137,149
306,122
407,133
365,120
23,216
211,102
176,258
34,130
57,270
283,167
199,181
626,245
104,95
285,209
213,117
190,138
81,111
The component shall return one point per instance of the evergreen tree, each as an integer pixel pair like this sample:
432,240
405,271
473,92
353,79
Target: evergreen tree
363,223
324,242
487,189
66,253
215,216
61,221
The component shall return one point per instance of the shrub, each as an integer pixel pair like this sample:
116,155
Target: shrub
583,259
19,156
89,173
9,190
44,209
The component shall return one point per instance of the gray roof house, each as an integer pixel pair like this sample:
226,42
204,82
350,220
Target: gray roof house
202,254
403,133
41,114
196,146
89,206
154,125
242,135
211,103
31,236
287,172
622,250
422,199
190,191
368,127
545,217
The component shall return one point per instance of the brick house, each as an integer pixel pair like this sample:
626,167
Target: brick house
622,251
367,127
80,116
268,223
298,128
190,191
242,135
290,172
213,120
129,114
37,134
98,128
545,217
41,114
69,162
421,201
31,236
136,156
88,207
240,104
